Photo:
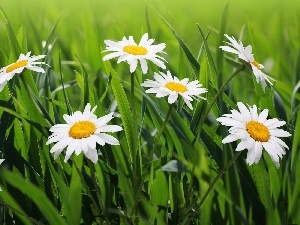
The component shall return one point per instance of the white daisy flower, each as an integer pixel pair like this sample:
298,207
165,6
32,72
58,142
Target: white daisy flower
245,53
128,50
24,61
165,84
255,132
81,134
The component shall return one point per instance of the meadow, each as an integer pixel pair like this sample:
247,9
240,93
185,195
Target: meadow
140,152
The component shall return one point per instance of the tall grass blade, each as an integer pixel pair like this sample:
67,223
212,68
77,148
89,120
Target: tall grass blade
193,61
16,49
36,195
213,71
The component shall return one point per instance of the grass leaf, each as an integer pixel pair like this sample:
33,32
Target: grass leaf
36,195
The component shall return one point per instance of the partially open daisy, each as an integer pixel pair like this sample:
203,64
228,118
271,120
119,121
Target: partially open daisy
255,132
24,61
245,53
128,50
165,84
81,134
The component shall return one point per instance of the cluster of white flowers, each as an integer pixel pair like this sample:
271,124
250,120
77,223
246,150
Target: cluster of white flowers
83,131
164,84
254,131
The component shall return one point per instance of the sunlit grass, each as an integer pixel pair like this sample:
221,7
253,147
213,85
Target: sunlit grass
168,154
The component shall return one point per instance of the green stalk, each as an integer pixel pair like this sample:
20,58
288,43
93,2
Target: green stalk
151,156
28,91
97,189
159,134
199,126
220,91
225,168
134,119
97,216
134,132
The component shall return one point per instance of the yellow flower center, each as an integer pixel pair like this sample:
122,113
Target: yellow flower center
82,129
256,64
16,65
135,50
173,86
258,131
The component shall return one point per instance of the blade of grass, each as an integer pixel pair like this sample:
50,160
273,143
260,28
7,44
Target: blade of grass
16,49
212,66
193,61
123,106
36,195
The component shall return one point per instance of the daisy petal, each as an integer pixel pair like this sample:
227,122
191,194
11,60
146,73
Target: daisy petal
92,155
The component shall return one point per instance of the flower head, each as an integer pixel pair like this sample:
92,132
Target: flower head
165,84
24,61
255,132
128,50
245,53
81,134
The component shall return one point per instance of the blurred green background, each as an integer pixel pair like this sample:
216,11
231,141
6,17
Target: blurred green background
270,26
114,18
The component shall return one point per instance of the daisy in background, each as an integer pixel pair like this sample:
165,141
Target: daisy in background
24,62
127,50
245,53
81,133
255,132
166,85
49,45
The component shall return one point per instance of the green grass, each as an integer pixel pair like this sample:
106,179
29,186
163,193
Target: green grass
128,185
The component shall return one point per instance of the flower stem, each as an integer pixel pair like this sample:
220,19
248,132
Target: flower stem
134,119
220,91
159,134
98,217
134,133
150,157
225,168
97,189
134,126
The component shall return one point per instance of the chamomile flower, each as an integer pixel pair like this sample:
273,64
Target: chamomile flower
245,53
127,50
24,62
255,132
81,133
166,85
